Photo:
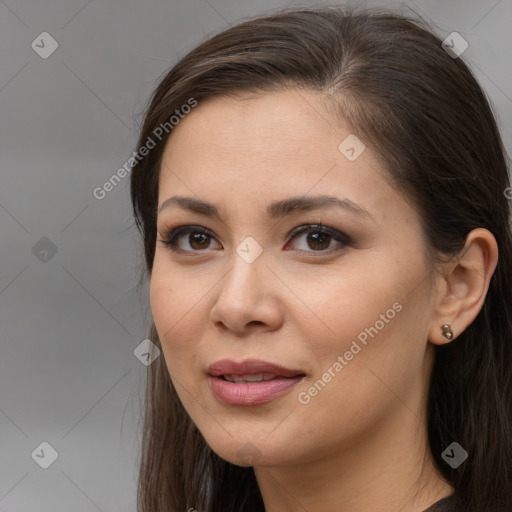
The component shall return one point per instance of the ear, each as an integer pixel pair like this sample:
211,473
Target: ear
462,285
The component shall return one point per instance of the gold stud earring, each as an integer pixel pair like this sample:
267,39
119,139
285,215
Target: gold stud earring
447,331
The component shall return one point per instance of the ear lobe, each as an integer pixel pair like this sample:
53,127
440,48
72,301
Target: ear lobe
463,285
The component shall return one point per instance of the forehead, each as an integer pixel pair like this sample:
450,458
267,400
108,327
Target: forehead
271,145
268,125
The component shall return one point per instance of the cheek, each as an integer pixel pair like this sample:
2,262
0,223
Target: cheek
172,295
175,311
180,306
373,316
173,303
343,304
369,370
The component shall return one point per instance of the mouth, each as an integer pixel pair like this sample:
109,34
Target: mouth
251,382
256,377
254,369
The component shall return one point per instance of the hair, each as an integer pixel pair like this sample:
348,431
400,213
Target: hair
422,110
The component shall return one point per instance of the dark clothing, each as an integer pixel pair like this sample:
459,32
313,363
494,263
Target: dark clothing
452,504
448,504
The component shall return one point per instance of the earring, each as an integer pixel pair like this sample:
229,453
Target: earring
447,331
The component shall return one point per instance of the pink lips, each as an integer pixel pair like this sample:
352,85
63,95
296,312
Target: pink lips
277,381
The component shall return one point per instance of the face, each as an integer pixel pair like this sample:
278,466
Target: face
336,294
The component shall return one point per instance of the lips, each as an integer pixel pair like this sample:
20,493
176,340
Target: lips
251,382
250,368
257,377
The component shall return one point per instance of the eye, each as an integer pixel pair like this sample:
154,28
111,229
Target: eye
319,238
198,238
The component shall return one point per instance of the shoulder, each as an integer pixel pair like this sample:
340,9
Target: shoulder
448,504
452,504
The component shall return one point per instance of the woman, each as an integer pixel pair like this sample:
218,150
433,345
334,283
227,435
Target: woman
322,198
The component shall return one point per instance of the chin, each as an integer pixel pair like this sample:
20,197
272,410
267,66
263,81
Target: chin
249,451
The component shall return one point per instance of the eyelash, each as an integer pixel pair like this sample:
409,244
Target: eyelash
170,238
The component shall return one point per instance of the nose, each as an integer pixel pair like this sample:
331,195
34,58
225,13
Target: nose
247,298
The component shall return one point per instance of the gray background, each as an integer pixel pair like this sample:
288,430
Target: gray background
70,321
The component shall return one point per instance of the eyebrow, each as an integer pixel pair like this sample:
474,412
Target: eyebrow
275,210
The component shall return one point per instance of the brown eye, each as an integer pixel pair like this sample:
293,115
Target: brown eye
198,239
320,238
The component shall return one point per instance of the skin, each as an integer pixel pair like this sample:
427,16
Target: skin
360,443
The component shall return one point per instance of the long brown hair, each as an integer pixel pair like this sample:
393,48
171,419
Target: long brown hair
424,113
